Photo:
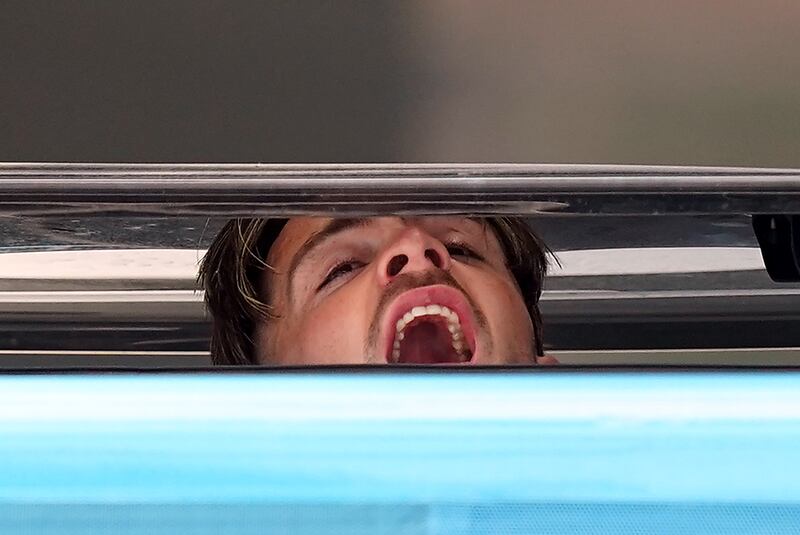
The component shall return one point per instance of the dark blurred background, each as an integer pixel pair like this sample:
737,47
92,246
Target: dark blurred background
679,82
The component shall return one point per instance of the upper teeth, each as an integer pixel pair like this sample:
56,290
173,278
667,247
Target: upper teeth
453,326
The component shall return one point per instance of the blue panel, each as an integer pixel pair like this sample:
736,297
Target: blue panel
376,519
415,453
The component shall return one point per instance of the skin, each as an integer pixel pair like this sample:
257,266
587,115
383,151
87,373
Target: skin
331,306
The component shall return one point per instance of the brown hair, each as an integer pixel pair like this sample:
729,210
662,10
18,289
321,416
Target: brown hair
232,273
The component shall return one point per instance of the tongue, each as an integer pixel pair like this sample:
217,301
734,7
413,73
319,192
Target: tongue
427,342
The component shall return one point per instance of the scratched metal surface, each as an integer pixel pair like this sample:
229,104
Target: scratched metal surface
407,189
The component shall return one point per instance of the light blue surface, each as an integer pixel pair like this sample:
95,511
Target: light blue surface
409,450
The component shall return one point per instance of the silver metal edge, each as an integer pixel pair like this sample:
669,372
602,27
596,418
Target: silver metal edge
365,189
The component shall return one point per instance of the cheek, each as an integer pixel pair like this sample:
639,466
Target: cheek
504,308
333,331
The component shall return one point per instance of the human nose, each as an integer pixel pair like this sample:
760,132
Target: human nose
413,251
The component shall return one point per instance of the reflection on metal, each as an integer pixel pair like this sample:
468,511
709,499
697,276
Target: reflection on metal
779,238
283,190
756,356
613,299
104,305
72,359
578,319
655,260
108,269
691,278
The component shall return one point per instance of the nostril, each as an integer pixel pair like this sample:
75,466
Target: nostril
434,257
396,265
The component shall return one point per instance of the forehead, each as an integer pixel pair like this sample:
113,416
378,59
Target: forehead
296,231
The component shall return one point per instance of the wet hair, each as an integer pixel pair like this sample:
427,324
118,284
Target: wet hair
232,274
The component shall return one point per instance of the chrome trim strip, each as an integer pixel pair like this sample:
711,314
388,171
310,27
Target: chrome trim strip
408,189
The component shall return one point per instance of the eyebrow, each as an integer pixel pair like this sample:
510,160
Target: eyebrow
332,228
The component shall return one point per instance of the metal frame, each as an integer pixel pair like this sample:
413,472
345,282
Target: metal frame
728,309
406,189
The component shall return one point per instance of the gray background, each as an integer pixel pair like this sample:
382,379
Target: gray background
678,82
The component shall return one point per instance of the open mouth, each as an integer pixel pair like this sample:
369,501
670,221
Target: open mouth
430,325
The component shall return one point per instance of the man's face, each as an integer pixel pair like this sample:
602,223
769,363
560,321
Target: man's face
431,290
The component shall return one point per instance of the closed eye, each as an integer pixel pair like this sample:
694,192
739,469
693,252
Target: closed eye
461,250
339,270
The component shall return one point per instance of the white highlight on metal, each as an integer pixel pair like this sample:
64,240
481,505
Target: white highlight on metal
569,295
102,264
144,264
654,260
103,296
